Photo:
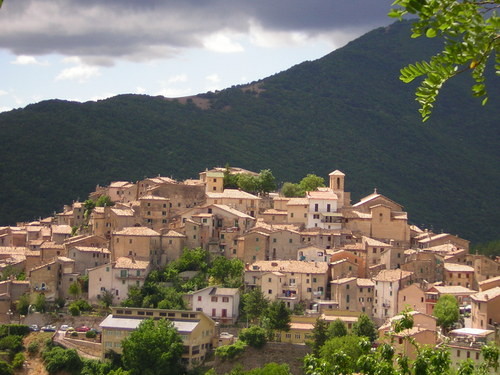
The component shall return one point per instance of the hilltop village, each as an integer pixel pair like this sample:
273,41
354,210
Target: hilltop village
332,258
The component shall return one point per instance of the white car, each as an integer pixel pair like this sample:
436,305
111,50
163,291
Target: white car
64,327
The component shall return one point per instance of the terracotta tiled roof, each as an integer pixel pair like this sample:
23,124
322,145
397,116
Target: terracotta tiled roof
373,242
232,194
153,197
119,184
126,262
226,291
298,202
434,237
51,245
89,249
61,229
364,282
272,211
173,233
33,228
392,275
336,172
453,289
232,211
486,295
322,195
136,231
454,267
13,250
356,215
296,266
344,280
123,212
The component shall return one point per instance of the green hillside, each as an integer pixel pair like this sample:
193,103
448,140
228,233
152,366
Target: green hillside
347,111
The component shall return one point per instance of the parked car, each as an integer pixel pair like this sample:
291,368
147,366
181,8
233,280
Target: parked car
34,328
82,329
64,327
49,328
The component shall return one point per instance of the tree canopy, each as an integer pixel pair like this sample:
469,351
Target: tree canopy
254,304
446,311
365,327
154,348
470,33
337,329
311,182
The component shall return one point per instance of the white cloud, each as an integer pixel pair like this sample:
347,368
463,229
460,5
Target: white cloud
221,43
169,92
213,78
2,92
178,78
27,60
81,72
140,90
102,96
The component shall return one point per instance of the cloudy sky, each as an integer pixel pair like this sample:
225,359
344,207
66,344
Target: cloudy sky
93,49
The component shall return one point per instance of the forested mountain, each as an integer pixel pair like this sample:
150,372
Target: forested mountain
347,111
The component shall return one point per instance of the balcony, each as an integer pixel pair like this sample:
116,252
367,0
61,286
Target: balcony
288,297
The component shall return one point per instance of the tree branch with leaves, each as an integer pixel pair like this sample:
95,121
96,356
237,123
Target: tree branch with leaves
470,30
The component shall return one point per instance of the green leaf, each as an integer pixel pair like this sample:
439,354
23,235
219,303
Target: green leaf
431,33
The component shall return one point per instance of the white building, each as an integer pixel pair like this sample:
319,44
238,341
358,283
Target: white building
387,285
322,210
117,277
218,303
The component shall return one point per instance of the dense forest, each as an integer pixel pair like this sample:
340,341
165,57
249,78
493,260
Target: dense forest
347,111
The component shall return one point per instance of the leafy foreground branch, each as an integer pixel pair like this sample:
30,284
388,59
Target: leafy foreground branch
356,355
471,35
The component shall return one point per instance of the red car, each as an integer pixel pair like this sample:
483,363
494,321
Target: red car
82,329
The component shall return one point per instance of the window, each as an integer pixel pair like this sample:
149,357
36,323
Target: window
214,299
225,299
199,298
270,291
315,207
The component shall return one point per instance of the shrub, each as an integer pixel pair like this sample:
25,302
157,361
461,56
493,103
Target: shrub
91,334
5,368
58,359
230,351
33,348
254,336
74,334
11,343
14,329
18,361
74,310
82,305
